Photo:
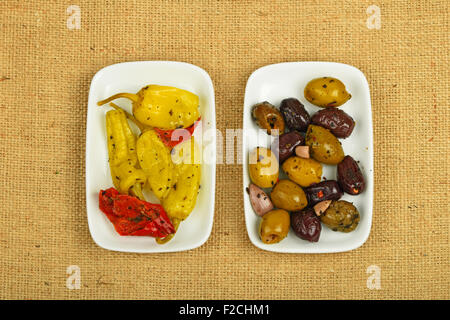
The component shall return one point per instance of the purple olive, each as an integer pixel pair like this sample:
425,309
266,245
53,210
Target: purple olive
261,203
350,176
295,115
325,190
286,144
306,225
337,121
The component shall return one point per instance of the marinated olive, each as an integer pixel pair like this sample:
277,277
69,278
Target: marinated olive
269,118
324,147
288,196
286,144
295,115
326,92
337,121
306,225
263,167
341,216
260,201
350,176
274,226
302,171
325,190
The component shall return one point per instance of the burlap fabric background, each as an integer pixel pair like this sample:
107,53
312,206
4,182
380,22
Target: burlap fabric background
45,72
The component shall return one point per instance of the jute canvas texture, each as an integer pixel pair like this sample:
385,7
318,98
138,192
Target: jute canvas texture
45,73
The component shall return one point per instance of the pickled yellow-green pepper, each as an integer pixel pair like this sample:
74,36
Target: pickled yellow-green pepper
126,176
155,160
182,197
162,106
174,177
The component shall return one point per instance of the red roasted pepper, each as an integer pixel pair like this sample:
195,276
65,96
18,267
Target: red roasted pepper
133,217
166,135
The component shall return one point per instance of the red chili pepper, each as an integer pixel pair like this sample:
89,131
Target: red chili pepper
320,194
166,135
134,217
106,201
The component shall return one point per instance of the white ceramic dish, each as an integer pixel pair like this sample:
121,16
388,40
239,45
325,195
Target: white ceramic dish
276,82
131,77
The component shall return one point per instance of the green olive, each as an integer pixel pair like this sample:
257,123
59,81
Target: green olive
324,146
302,171
288,196
274,226
341,216
326,92
263,167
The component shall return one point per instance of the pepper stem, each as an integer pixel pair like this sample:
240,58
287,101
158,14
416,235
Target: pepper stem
133,97
136,190
129,116
176,224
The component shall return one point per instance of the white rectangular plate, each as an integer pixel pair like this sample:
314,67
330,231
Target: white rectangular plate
273,83
131,77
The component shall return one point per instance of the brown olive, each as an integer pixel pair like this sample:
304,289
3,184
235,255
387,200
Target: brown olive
306,225
337,121
269,118
341,216
295,115
325,190
350,176
286,144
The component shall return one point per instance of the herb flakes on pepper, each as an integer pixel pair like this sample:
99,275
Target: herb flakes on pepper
133,217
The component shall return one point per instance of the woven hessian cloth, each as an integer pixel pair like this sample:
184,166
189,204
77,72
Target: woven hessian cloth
45,73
